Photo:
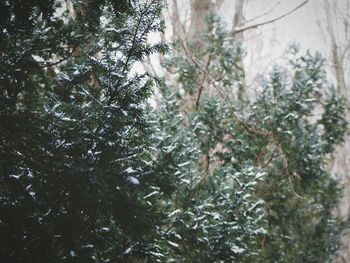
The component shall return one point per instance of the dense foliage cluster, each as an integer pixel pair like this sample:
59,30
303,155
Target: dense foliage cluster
258,189
74,136
89,173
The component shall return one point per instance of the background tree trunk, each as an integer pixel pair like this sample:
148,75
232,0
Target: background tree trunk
340,164
199,12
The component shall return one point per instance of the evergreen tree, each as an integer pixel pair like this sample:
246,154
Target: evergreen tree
89,174
74,152
252,183
213,214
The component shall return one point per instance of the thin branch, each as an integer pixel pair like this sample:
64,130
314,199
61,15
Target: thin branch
199,96
47,64
265,13
268,161
248,27
202,84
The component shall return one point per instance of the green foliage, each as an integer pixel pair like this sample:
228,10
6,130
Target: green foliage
88,173
256,188
75,139
213,214
298,191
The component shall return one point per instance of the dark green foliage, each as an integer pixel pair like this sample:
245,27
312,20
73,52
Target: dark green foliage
298,191
89,174
75,141
256,188
213,214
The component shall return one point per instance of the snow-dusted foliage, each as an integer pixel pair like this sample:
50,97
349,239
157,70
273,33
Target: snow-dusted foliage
89,173
74,152
213,214
255,188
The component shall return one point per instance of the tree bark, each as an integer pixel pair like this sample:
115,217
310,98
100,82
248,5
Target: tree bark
340,160
177,26
337,61
199,11
238,19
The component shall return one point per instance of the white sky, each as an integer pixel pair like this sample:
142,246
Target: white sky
267,44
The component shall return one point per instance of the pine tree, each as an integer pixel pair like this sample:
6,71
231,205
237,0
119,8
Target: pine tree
74,134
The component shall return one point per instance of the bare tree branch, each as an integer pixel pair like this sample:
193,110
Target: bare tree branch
248,27
265,13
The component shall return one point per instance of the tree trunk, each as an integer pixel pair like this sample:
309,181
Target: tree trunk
199,12
340,161
238,19
338,66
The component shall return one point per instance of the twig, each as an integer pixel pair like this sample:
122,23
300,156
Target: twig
202,84
265,13
248,27
61,60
